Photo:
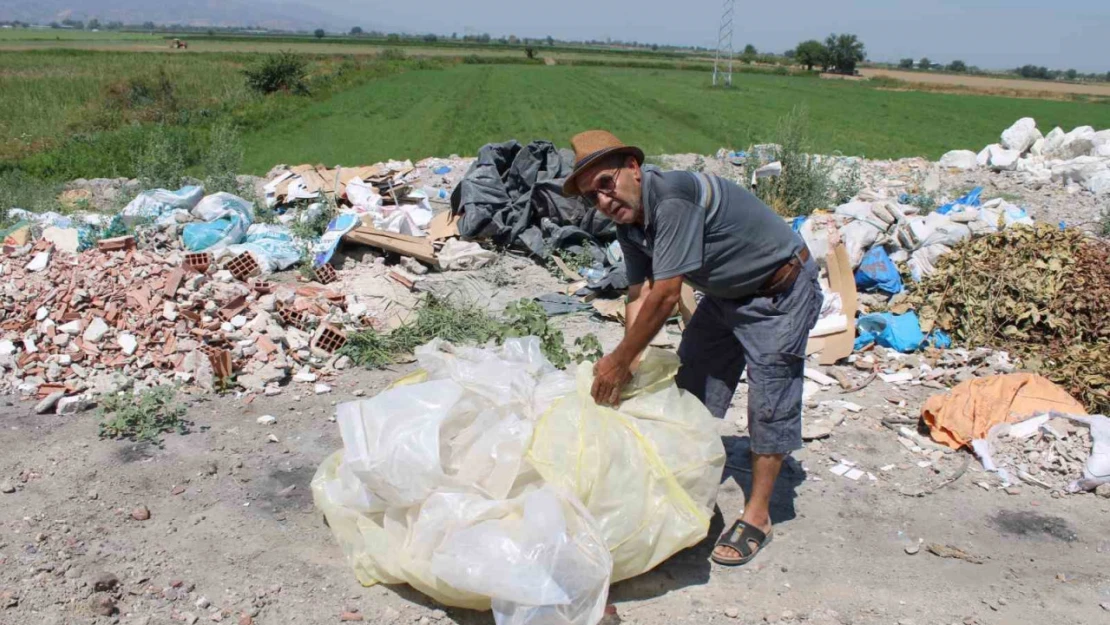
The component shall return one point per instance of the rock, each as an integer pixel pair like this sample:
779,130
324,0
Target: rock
305,375
814,430
7,348
64,239
72,328
1003,159
1053,140
788,615
47,404
268,303
1021,136
189,618
272,438
245,619
169,311
60,340
358,392
223,275
267,420
7,487
732,612
959,159
140,514
238,321
128,343
105,582
96,330
321,389
102,605
39,262
342,363
203,603
1037,148
413,265
983,158
1099,184
1103,490
913,549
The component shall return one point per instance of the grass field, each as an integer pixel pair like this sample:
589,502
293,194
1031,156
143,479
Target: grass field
74,113
459,108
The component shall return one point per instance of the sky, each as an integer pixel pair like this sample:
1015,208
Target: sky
993,34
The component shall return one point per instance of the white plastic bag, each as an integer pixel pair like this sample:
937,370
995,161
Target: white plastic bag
490,479
161,205
463,255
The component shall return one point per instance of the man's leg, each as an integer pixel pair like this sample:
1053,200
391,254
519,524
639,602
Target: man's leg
712,359
773,332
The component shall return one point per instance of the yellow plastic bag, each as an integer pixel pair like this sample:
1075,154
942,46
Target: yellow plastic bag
493,480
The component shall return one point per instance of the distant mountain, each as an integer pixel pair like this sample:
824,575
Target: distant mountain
276,14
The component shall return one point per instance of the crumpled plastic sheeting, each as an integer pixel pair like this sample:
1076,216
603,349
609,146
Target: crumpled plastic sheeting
490,479
513,195
972,408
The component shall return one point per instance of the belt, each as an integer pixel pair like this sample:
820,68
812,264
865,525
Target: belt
785,275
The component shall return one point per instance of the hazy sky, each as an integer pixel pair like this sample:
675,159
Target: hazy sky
988,33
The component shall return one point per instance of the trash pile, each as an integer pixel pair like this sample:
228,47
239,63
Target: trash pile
1080,157
1039,293
1043,451
490,479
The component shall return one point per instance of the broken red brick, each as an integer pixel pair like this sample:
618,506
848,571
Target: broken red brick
325,274
173,282
198,261
293,318
234,307
244,266
265,345
330,339
402,280
116,244
262,287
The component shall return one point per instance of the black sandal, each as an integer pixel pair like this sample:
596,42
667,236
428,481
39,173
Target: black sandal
741,537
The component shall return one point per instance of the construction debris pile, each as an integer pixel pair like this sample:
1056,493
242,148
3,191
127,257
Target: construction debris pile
1080,157
1039,293
1051,457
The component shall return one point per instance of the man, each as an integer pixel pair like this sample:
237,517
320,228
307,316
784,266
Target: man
761,300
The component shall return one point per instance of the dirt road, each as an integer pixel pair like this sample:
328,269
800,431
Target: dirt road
987,83
233,536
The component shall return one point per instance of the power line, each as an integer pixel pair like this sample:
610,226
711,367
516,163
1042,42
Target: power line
722,64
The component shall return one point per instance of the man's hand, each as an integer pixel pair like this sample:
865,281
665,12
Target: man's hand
611,373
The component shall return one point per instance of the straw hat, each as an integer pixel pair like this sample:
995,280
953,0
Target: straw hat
589,148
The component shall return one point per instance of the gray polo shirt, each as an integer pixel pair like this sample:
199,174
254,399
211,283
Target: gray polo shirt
714,233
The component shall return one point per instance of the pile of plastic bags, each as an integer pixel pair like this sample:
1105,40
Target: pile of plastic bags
490,479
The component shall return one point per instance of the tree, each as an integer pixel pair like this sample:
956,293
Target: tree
957,66
319,33
810,53
654,47
844,52
905,64
356,31
431,38
550,40
924,63
790,53
94,24
750,50
1071,74
148,26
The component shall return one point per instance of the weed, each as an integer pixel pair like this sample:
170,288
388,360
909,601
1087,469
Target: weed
222,159
317,223
847,183
284,71
526,317
19,190
160,162
1104,223
582,259
142,417
806,182
587,349
461,325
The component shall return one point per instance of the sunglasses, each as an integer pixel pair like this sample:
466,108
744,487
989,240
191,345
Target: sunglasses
606,183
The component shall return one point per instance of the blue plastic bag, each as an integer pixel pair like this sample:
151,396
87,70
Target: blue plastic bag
970,199
796,225
899,332
877,271
205,235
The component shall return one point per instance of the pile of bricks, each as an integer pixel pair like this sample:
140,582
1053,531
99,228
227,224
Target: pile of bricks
82,320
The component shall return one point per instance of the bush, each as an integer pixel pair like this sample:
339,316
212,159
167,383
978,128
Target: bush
161,160
222,160
806,183
284,71
20,190
392,54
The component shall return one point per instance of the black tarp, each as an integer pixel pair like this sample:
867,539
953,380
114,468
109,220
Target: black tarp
512,195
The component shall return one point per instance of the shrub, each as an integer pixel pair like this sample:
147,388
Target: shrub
392,54
284,71
142,417
805,183
222,159
160,161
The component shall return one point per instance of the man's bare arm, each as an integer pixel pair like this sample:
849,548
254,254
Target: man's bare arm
648,308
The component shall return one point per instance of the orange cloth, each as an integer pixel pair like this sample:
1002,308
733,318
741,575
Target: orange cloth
969,411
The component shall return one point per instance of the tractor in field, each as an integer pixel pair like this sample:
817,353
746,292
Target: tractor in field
177,44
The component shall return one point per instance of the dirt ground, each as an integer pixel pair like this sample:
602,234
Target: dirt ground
987,83
233,535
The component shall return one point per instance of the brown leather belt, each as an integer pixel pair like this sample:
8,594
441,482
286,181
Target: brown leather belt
785,275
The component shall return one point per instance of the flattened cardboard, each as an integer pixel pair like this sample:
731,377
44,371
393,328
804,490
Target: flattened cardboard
833,347
417,247
443,226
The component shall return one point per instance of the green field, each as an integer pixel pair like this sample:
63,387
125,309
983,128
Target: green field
78,113
457,109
